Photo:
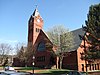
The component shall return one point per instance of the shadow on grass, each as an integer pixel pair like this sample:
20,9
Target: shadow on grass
53,72
26,68
59,72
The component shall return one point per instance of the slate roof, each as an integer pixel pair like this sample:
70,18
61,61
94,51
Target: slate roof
77,40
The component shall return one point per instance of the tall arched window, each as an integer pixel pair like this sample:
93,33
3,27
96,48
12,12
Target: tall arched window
41,46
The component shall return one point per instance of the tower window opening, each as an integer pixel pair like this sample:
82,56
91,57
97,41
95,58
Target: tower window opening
37,30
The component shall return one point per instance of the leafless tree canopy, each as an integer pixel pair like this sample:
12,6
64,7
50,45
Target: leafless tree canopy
62,38
24,53
5,50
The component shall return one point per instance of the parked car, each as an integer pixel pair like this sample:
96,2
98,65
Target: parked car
14,73
9,68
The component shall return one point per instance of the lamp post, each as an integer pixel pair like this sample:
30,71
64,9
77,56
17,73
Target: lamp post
33,63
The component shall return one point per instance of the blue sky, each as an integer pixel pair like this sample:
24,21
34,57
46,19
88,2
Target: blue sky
14,16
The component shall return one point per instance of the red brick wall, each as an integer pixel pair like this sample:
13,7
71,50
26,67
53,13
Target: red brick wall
70,61
80,61
46,53
32,34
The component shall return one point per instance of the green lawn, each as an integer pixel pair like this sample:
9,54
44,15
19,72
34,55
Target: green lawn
26,68
54,71
45,71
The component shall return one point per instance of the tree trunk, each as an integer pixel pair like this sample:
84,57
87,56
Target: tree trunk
61,59
57,63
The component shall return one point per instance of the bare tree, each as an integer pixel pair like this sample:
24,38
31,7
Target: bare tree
63,39
29,53
5,50
24,53
18,47
20,51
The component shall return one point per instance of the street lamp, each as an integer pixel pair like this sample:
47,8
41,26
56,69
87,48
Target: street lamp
33,63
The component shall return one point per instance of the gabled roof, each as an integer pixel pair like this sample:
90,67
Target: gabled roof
44,37
75,33
77,40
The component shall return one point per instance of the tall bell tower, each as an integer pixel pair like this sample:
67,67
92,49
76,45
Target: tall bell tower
35,24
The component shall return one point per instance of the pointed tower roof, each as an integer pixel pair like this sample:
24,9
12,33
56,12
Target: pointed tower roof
35,13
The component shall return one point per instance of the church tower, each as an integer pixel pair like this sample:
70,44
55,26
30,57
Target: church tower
35,24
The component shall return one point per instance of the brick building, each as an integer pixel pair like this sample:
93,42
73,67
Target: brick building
43,48
40,41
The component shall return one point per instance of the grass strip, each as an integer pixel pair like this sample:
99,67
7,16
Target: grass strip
54,71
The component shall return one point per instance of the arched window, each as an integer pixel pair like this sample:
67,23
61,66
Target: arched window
41,46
